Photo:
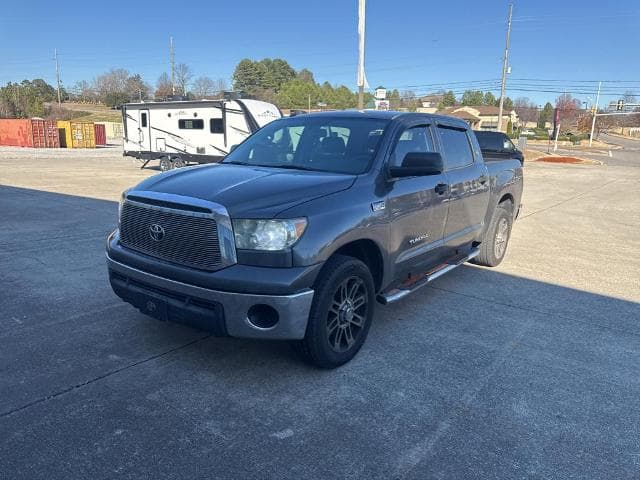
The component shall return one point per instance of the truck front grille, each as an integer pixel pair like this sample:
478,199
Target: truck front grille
177,236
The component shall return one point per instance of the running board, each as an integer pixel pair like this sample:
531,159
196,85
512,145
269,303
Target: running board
414,284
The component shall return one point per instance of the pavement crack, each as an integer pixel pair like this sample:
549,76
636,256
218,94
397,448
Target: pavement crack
101,377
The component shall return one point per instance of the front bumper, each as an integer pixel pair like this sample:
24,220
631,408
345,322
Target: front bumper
221,312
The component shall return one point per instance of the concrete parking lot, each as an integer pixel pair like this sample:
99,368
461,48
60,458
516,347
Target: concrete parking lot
528,370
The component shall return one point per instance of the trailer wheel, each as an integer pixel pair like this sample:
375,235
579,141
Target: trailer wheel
178,162
165,164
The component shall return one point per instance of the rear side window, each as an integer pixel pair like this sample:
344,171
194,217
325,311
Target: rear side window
197,124
143,119
412,140
216,125
456,147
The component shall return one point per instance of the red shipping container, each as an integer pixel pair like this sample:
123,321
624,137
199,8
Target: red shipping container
101,134
29,133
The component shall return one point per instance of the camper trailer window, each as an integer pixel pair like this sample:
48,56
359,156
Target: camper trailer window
143,119
191,124
216,125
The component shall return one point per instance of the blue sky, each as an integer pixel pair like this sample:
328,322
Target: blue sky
411,44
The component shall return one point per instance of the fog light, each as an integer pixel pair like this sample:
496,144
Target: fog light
263,316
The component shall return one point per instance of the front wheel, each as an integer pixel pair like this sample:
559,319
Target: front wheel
341,313
496,238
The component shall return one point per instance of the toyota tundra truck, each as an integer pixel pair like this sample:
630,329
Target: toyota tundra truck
308,223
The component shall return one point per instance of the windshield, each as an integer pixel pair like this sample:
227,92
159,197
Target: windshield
327,144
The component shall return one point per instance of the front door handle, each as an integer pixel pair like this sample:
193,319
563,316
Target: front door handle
442,188
483,179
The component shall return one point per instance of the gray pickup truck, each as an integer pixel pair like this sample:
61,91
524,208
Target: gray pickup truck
306,224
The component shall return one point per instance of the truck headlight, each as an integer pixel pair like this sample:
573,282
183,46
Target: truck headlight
267,234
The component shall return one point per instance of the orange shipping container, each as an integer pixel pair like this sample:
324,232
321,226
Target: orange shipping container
30,132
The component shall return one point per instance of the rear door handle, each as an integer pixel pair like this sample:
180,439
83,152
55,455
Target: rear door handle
441,188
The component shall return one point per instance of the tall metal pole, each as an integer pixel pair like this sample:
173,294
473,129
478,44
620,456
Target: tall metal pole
173,67
595,112
55,56
361,76
505,67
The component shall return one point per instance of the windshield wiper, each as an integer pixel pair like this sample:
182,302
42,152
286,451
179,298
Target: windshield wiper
292,166
231,162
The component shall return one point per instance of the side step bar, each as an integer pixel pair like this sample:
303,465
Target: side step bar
414,284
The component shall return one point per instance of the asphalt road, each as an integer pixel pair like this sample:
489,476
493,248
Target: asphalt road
623,152
528,370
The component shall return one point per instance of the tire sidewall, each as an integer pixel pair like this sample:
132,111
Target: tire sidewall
501,212
317,335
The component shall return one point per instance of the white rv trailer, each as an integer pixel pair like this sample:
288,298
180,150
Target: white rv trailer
181,132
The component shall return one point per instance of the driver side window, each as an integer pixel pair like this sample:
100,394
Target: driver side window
414,139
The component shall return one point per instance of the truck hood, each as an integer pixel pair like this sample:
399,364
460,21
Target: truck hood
248,191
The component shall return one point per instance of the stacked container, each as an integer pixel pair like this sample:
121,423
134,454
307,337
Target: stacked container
30,132
76,134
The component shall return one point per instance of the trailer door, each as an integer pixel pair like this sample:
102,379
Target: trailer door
144,129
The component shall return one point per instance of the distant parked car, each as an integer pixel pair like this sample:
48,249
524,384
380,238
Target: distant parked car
497,146
527,133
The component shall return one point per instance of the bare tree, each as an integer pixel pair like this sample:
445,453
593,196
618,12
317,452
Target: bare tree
84,91
527,111
113,82
220,87
203,87
183,76
569,110
163,86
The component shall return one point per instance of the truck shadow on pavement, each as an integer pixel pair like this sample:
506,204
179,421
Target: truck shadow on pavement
480,361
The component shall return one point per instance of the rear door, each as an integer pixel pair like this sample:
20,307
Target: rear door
417,207
144,130
468,181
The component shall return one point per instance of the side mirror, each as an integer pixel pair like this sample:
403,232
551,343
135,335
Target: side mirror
417,164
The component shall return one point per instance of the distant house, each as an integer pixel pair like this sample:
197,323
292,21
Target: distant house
483,117
429,103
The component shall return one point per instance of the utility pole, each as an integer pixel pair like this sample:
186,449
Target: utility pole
362,79
55,56
595,113
505,67
173,66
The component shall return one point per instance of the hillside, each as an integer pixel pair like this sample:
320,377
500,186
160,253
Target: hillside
89,112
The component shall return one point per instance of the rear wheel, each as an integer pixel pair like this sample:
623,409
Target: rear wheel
496,238
341,313
166,164
178,162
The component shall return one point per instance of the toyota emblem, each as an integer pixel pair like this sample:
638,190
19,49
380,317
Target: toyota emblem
156,231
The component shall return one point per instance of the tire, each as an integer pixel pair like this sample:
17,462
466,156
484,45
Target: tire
178,162
496,238
341,313
165,164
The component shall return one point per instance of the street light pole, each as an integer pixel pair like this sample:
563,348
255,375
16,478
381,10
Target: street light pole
505,67
361,76
595,112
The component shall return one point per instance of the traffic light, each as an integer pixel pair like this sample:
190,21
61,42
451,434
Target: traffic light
620,105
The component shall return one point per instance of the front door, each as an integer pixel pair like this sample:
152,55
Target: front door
468,181
144,130
417,208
